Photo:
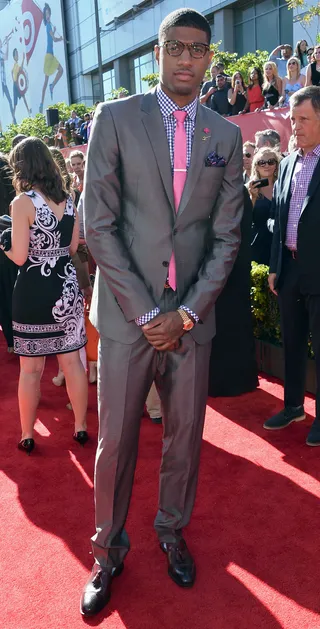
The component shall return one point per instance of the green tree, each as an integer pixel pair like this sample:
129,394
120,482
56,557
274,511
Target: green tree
37,125
306,15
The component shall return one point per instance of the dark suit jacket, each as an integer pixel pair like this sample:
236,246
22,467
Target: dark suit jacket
308,248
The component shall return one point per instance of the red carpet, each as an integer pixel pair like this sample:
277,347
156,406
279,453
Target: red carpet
254,532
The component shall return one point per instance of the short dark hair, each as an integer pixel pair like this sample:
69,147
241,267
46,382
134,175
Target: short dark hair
311,93
33,166
14,52
184,17
17,138
220,76
220,64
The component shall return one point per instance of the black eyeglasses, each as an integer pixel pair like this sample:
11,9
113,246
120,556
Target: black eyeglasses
267,162
247,155
175,48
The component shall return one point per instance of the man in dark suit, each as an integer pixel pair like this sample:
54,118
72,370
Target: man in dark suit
163,205
295,258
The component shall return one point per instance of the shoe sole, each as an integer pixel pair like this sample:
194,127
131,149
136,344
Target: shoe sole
312,445
295,419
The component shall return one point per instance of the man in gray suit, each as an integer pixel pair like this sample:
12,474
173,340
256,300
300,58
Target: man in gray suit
163,204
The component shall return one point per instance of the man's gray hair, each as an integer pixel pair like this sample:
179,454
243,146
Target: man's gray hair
311,93
269,136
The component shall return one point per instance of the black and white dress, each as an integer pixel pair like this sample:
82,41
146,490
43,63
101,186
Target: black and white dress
48,309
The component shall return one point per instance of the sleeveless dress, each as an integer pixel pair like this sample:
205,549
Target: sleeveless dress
271,95
255,98
315,74
47,307
291,88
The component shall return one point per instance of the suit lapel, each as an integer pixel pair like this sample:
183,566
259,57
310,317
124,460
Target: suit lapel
153,123
312,186
200,148
288,177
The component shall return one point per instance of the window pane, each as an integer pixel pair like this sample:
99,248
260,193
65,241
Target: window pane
263,6
244,38
242,14
267,28
286,25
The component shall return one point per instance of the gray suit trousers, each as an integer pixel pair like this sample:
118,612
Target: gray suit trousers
125,375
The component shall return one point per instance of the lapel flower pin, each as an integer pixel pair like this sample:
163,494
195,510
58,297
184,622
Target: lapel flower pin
207,132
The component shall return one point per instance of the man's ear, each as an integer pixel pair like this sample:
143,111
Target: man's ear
157,53
211,57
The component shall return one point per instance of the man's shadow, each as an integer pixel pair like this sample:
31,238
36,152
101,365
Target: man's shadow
251,410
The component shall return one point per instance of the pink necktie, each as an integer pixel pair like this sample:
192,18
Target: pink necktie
179,177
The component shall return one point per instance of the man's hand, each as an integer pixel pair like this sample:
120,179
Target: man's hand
164,331
271,282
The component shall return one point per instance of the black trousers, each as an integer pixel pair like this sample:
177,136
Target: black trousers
300,314
8,275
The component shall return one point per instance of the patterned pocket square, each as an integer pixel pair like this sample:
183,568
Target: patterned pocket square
213,159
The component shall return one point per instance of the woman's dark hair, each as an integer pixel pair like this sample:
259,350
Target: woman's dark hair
233,80
59,159
7,192
260,77
298,52
34,167
184,17
45,9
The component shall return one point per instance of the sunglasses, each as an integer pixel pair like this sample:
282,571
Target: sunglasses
292,63
247,155
267,162
175,48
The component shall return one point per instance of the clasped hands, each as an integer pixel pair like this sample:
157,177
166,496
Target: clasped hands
164,331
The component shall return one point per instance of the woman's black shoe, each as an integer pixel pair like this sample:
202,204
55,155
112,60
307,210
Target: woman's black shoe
26,445
81,437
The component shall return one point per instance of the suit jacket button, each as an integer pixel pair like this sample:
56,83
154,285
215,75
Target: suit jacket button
175,231
165,263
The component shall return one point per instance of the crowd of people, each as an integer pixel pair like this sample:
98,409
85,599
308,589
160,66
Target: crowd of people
171,296
268,88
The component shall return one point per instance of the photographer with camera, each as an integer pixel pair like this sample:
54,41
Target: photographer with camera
237,96
264,173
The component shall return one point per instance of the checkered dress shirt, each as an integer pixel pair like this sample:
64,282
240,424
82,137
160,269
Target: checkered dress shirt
301,178
167,107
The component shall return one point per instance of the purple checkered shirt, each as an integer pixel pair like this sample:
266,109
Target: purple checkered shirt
167,107
301,178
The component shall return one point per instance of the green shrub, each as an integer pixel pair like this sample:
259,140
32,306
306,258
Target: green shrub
264,306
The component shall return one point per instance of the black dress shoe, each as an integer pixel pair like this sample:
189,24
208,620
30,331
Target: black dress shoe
26,445
97,591
181,565
313,438
81,437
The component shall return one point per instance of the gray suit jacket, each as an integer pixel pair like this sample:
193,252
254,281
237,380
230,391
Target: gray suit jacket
131,224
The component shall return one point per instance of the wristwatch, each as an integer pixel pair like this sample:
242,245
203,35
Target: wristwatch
187,322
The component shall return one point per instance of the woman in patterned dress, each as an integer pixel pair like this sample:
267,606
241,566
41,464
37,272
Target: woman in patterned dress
48,314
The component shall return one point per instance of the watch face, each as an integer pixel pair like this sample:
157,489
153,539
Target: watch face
188,325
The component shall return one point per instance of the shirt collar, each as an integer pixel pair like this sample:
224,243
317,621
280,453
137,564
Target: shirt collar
167,106
315,151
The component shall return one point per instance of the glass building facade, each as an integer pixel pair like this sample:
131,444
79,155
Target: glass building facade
127,43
